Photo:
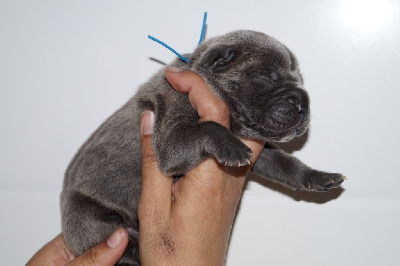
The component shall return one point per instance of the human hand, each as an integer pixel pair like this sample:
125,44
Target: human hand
189,222
57,253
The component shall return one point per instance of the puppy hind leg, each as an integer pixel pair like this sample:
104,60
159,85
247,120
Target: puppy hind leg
86,223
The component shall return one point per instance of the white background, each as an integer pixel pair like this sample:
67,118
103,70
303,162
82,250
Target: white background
67,65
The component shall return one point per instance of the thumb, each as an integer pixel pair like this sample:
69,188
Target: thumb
106,253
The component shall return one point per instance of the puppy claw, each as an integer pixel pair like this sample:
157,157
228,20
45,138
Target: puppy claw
321,181
246,162
234,153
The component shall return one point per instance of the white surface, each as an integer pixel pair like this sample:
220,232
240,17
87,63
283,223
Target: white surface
66,65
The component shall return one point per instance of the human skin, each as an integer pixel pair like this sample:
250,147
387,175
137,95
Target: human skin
56,252
183,223
189,222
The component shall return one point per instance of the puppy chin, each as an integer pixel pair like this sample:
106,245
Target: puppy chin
300,131
285,137
289,134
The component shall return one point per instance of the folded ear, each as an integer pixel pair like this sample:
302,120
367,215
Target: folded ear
219,58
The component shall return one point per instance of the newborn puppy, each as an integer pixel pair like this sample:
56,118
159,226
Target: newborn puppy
258,78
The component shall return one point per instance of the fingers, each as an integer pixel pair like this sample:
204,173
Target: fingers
106,253
156,187
207,104
55,252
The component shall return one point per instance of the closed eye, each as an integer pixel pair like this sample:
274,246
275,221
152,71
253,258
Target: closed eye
262,78
271,77
261,82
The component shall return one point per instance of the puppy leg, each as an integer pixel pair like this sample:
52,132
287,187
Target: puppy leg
185,145
86,222
283,168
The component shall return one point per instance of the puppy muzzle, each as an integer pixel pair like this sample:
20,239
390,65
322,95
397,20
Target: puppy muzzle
288,110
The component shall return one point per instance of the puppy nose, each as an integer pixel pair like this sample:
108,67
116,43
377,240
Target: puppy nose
293,100
299,99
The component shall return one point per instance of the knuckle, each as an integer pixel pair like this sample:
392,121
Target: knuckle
148,155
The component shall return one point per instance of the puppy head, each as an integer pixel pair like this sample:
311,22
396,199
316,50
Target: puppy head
260,80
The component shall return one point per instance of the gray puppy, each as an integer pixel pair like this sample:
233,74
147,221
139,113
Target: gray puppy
258,78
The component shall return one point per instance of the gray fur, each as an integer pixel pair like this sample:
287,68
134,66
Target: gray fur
259,79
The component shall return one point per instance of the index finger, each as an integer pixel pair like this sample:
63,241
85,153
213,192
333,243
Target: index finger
155,197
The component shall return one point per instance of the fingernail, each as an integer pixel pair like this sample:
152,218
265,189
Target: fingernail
174,69
147,122
116,238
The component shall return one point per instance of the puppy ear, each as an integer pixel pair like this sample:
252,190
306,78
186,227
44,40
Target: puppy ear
219,58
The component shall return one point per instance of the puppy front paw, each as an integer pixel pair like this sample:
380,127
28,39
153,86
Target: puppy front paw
233,152
321,181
